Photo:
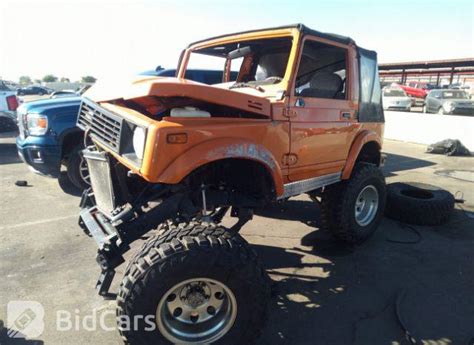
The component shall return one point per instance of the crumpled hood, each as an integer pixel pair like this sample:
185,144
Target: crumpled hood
175,87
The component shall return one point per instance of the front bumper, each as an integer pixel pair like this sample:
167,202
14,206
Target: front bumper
463,111
398,108
44,160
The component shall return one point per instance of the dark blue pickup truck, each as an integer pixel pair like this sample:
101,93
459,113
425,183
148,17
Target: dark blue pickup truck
49,137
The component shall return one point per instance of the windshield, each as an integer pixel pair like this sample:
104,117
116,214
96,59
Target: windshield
394,93
253,62
454,94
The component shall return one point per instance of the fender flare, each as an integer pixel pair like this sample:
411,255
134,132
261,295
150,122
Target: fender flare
214,150
363,138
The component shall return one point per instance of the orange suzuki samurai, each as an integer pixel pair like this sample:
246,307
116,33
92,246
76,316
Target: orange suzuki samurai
297,111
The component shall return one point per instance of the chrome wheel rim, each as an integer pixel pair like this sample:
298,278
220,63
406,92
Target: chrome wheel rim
84,171
366,205
196,311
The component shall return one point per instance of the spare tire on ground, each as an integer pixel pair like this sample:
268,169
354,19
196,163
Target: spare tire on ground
418,203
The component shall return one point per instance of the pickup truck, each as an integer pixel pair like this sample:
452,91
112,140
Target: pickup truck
49,137
8,106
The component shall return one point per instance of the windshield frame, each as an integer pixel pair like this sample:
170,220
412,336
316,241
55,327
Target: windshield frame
291,33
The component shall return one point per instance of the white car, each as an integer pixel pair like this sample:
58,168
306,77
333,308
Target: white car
395,99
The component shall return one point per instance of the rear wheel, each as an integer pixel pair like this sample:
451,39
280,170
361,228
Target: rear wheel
77,170
195,283
351,210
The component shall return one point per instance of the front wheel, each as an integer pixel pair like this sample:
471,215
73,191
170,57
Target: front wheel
201,285
352,210
77,170
441,111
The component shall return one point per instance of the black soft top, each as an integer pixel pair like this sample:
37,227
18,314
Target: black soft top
304,29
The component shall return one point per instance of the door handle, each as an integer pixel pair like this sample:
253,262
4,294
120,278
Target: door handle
346,115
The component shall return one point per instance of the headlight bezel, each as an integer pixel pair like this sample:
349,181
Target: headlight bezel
449,106
36,124
128,145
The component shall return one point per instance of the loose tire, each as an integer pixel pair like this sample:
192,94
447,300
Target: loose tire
199,283
351,210
418,203
77,171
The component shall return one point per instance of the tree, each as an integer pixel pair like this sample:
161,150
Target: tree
88,79
49,78
64,80
25,80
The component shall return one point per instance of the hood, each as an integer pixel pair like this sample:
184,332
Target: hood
50,104
176,87
396,99
465,101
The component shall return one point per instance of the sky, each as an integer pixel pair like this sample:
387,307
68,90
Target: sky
72,38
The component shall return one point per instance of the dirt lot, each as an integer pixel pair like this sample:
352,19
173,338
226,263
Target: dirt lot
323,292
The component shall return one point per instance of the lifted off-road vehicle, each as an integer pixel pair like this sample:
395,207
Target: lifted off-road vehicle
169,158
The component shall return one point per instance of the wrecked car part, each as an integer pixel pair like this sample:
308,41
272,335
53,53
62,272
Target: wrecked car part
418,203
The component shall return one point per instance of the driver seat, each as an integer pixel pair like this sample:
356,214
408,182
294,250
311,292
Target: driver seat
323,85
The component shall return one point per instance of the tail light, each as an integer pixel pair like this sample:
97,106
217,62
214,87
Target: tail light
12,102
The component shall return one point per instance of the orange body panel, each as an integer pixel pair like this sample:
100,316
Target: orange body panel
369,132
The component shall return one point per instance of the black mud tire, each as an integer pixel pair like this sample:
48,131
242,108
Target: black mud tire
418,203
189,251
73,167
338,204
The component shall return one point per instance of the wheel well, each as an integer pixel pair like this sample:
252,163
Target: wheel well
370,153
245,176
70,141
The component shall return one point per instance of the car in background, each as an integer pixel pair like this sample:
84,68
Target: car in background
70,93
33,90
49,137
200,75
8,105
63,93
394,98
414,91
468,88
449,102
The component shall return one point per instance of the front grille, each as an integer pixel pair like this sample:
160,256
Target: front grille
101,124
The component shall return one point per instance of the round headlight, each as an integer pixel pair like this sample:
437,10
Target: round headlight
139,136
448,106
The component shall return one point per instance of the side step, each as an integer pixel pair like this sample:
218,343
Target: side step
303,186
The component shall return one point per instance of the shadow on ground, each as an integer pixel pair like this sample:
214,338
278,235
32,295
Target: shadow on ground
396,163
7,337
325,292
8,154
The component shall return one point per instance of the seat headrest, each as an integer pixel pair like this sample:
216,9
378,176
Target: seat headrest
325,81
